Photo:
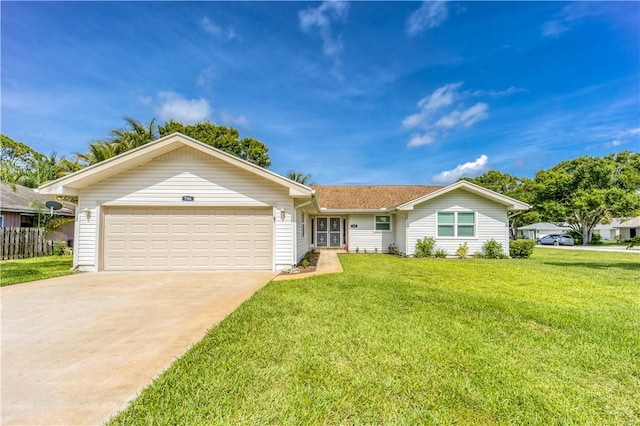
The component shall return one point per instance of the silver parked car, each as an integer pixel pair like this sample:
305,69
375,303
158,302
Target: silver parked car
556,240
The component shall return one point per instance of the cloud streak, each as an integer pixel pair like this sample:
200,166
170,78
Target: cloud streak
564,20
319,20
437,115
210,27
429,15
468,169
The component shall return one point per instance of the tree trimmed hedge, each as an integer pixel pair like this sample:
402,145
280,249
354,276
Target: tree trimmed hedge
521,249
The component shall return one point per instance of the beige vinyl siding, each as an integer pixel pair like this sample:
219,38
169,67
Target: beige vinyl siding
491,221
365,237
400,221
185,171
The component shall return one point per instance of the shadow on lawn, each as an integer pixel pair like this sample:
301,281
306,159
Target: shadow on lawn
599,265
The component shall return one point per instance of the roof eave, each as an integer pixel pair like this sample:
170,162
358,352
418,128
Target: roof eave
72,183
508,202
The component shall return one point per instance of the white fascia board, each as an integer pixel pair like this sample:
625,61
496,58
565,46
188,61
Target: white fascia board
69,185
508,202
324,211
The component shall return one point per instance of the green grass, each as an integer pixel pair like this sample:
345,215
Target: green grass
554,339
37,268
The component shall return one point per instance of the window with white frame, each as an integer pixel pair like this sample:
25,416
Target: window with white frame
456,224
383,223
302,221
1,221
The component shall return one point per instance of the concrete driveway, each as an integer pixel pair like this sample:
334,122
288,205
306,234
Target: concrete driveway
76,349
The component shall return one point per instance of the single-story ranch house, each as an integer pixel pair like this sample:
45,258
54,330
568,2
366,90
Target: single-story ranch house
179,204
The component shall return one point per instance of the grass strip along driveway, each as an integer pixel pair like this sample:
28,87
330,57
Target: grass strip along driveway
554,339
37,268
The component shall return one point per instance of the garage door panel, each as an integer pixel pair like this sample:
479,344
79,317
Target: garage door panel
187,238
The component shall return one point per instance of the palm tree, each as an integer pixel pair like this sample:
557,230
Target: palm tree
98,151
136,134
300,177
44,169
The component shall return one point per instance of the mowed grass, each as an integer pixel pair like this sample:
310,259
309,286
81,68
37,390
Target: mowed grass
554,339
37,268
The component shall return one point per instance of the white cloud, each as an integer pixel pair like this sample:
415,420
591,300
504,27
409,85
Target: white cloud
465,118
497,93
173,106
216,30
229,119
631,132
441,97
430,15
437,114
469,169
321,18
420,140
564,19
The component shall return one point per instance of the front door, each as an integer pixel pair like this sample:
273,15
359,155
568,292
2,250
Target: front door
329,232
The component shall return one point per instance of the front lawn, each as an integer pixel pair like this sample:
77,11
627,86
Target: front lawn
36,268
554,339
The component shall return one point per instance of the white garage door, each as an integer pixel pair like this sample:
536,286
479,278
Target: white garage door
155,239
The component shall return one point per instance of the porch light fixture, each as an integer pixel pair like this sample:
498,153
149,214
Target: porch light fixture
87,213
282,214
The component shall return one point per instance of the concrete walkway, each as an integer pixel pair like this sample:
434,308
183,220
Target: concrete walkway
328,263
76,349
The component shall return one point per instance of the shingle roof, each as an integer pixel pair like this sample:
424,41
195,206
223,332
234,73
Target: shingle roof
631,223
21,200
364,197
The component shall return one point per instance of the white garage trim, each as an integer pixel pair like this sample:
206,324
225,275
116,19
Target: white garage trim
187,238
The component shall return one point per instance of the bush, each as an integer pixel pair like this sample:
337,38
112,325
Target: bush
60,248
393,249
521,249
492,249
304,263
441,253
479,255
596,240
635,241
425,247
463,250
577,236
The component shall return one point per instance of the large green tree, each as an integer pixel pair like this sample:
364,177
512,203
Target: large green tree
586,191
224,138
22,165
514,187
136,134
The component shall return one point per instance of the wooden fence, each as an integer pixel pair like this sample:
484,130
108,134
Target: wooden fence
21,243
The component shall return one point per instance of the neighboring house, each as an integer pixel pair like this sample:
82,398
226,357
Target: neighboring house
608,231
179,204
629,229
19,208
537,230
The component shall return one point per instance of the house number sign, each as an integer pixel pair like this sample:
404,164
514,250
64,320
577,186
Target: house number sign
188,198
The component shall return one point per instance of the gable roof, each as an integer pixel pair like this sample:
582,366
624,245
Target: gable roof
74,182
508,202
368,197
631,223
21,200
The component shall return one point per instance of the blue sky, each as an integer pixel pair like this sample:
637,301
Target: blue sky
351,92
